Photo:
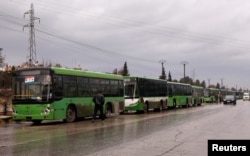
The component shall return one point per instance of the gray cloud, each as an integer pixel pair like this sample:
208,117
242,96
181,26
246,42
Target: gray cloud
101,35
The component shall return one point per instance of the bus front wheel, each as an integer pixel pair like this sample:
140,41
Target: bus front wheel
70,114
146,107
174,104
36,122
161,106
195,103
108,111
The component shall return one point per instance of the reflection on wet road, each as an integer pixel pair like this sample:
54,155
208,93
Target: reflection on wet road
173,132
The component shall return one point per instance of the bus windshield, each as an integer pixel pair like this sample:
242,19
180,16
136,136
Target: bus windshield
130,90
246,94
32,88
206,92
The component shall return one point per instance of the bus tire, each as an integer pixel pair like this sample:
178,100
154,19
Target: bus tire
187,103
195,103
108,110
199,104
146,107
161,106
174,103
36,122
70,114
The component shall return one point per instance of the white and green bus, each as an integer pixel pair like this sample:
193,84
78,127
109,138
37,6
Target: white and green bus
59,93
197,95
144,94
179,94
211,95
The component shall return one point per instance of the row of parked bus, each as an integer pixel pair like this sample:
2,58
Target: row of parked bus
143,94
59,93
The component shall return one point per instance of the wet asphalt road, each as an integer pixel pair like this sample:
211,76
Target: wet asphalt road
183,131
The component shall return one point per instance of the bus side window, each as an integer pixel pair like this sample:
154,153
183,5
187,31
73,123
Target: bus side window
170,90
58,92
58,89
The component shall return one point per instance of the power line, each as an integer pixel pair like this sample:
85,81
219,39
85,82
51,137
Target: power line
140,25
155,29
201,37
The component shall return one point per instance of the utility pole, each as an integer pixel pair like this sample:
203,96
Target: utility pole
221,82
209,82
184,65
163,74
193,74
32,47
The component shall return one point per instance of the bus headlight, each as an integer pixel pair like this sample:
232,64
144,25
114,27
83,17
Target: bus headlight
14,112
46,111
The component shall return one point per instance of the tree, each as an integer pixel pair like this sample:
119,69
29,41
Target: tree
197,83
115,71
124,71
211,86
203,84
58,65
163,74
169,76
187,79
233,89
218,85
175,80
6,77
2,58
240,90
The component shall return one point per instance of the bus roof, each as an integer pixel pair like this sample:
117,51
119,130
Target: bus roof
213,88
171,82
65,71
74,72
139,77
193,86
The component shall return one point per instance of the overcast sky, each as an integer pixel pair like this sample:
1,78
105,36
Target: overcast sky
212,36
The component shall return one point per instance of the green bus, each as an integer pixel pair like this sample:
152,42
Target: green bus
197,98
179,94
143,94
58,93
212,95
